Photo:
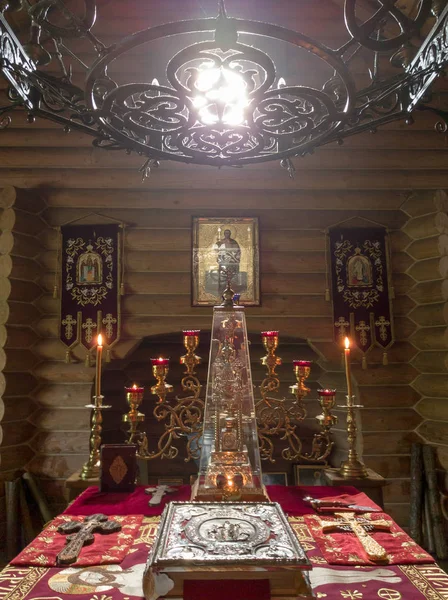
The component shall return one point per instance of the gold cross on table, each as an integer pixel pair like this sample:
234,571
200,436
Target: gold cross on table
360,526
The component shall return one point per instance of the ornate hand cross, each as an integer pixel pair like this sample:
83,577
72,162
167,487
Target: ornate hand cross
158,492
80,533
360,526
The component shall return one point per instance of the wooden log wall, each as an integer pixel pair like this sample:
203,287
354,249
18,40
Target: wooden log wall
428,227
157,303
20,226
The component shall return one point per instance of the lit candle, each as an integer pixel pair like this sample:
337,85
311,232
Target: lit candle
347,369
135,389
163,362
99,352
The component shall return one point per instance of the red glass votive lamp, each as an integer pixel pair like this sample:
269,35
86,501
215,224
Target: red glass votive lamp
301,368
160,362
270,340
160,366
301,363
327,398
134,391
327,392
191,339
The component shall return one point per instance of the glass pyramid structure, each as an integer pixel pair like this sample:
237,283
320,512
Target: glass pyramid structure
230,466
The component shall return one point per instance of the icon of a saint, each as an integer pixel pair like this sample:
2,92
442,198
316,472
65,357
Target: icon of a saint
359,270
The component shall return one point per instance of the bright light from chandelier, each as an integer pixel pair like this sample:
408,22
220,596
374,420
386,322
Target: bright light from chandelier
222,96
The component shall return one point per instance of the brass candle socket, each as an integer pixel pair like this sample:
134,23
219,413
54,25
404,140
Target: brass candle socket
134,397
327,400
270,343
91,469
352,467
190,383
161,389
299,389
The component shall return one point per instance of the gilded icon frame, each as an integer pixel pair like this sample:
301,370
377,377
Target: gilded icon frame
218,255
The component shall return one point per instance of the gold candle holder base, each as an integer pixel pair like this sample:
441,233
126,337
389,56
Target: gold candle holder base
134,397
352,467
92,468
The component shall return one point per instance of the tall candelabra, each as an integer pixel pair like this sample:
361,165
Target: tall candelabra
183,416
276,417
279,417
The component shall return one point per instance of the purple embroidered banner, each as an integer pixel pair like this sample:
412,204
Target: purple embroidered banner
90,290
361,300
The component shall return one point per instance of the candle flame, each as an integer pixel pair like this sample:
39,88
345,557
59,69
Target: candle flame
100,340
134,387
347,343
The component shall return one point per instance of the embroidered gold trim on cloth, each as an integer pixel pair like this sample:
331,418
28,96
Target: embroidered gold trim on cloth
430,580
359,265
17,582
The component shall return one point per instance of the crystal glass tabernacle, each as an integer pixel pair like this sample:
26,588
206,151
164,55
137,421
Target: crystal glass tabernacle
230,458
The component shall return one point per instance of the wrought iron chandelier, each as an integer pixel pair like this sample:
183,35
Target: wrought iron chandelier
221,100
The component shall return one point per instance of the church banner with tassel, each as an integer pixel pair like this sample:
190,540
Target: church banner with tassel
360,287
90,287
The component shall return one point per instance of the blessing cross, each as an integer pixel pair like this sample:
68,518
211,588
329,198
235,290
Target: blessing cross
158,492
360,526
80,533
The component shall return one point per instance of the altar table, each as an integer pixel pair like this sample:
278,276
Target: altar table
124,581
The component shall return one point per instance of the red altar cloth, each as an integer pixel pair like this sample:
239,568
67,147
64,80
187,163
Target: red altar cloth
93,501
290,498
124,581
106,550
338,548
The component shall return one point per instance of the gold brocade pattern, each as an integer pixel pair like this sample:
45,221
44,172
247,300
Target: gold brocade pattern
430,580
148,531
17,582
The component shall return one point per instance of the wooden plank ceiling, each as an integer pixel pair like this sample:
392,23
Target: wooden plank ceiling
383,166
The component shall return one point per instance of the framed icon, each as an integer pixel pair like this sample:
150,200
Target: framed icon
275,478
309,474
225,250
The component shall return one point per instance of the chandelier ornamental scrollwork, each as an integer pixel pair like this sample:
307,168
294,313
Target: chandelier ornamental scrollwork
222,100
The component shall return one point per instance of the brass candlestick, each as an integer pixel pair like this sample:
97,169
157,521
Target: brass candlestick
160,368
91,470
270,343
302,369
134,397
353,467
190,383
